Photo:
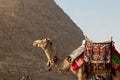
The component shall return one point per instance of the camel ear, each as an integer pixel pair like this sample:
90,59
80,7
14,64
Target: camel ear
47,38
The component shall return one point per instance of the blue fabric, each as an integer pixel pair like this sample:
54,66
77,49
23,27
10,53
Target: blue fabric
104,57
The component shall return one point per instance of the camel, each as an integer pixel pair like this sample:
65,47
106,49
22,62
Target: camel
47,46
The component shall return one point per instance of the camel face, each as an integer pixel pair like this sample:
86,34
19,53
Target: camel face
48,48
41,43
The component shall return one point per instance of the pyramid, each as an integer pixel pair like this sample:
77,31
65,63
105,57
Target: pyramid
22,22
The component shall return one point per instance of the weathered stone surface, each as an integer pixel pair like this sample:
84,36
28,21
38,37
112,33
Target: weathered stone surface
22,22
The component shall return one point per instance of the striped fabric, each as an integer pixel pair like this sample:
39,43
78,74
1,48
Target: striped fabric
115,59
77,64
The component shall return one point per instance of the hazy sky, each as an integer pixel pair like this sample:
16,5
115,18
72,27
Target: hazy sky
98,19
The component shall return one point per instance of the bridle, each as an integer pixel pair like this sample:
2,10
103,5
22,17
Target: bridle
55,58
48,42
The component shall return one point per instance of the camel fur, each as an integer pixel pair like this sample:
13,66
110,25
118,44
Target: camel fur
47,46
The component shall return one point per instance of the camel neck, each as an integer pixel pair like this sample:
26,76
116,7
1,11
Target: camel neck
50,52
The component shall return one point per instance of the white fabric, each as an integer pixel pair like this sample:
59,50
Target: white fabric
77,52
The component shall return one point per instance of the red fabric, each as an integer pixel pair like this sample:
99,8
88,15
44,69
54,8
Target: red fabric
115,51
56,59
78,63
118,68
74,66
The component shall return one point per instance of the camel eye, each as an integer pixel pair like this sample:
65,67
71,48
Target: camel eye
50,43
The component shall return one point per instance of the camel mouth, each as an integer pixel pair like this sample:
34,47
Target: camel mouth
34,44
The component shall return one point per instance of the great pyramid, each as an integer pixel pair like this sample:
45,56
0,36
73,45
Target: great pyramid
22,22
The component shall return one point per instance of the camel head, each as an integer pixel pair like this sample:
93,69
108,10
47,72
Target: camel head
49,50
42,43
